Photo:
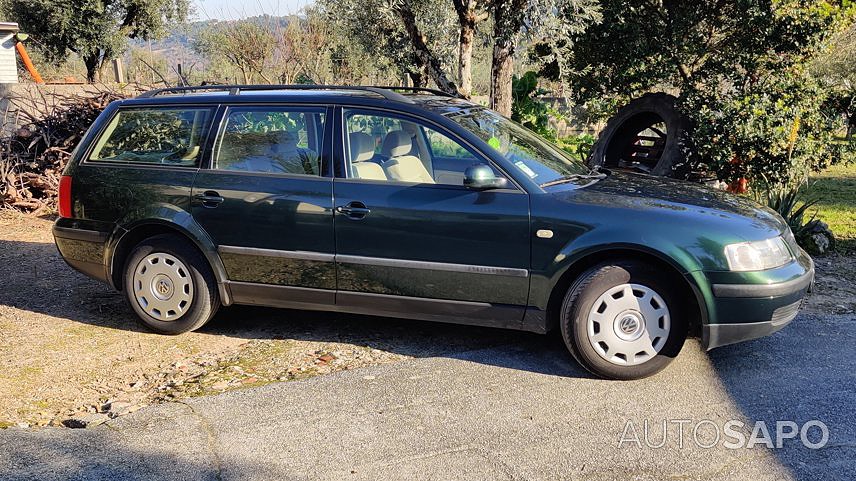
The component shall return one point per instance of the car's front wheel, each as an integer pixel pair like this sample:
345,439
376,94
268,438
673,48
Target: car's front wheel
170,286
622,320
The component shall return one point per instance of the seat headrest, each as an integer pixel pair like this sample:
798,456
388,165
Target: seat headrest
362,147
397,143
285,141
285,136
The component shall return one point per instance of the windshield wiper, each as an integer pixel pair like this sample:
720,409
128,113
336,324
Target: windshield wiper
573,177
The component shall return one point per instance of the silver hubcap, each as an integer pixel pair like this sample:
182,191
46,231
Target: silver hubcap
163,287
628,324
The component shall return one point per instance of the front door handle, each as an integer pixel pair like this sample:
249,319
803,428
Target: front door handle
210,199
354,210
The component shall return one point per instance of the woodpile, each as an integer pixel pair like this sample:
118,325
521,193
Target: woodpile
33,156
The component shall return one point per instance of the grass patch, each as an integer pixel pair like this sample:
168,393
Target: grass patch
835,188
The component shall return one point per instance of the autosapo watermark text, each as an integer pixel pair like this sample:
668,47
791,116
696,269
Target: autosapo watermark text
731,434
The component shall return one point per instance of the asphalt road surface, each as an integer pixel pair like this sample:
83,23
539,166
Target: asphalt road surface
522,410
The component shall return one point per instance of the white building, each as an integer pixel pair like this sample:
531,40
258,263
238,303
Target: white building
8,65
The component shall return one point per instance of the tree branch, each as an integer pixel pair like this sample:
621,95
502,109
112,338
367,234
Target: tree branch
420,46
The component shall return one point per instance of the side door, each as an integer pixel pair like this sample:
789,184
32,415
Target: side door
412,240
266,201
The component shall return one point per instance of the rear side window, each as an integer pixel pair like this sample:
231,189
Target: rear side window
278,140
157,135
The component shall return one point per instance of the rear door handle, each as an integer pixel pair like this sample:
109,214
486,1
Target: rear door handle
210,199
354,210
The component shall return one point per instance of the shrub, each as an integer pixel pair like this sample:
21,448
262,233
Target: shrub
788,200
579,146
527,108
774,131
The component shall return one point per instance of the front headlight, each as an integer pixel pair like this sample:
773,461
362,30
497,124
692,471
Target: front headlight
757,255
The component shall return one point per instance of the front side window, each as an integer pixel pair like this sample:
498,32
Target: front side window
531,155
280,140
394,149
156,135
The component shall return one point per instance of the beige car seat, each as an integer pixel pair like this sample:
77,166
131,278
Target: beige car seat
402,166
362,151
293,159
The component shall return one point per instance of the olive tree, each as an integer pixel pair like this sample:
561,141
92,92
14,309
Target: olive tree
835,69
245,44
413,35
96,30
546,21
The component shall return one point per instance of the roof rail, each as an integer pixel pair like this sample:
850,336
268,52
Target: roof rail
388,93
421,89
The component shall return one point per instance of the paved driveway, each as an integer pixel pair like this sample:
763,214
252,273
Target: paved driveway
518,411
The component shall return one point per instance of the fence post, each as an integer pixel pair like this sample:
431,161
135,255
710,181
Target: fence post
118,71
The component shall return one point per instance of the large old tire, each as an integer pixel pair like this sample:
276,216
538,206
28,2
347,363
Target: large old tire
648,135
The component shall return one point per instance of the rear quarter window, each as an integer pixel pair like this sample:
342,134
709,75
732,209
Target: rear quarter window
154,135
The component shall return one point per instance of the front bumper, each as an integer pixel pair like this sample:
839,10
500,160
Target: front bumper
767,308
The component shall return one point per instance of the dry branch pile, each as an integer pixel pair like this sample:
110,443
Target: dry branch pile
33,156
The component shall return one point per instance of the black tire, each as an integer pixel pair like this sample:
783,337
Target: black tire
205,296
621,130
588,288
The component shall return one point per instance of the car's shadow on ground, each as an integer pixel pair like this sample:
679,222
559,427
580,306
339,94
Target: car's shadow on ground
807,372
38,280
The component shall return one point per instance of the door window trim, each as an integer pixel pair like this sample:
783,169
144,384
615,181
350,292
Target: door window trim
324,155
342,158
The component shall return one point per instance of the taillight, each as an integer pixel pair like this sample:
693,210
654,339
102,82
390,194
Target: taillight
65,196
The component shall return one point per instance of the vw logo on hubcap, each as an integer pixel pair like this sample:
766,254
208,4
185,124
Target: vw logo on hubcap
629,325
162,287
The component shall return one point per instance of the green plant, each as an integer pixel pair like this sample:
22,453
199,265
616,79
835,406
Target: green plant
789,200
527,108
579,146
775,129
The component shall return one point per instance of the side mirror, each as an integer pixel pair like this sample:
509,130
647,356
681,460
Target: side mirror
482,177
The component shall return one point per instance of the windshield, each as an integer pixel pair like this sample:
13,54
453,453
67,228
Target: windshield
529,153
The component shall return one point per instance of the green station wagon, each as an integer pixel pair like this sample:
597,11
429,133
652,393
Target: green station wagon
414,204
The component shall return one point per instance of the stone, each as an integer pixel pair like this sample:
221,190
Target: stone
220,385
85,420
118,408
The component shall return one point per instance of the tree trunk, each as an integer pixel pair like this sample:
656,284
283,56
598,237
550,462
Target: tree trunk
851,125
500,77
465,56
420,47
93,65
419,79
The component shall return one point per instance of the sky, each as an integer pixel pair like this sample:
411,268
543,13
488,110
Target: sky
233,10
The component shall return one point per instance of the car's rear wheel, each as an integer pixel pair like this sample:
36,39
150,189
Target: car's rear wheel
170,286
622,320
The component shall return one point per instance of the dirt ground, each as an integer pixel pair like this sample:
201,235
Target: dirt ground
70,345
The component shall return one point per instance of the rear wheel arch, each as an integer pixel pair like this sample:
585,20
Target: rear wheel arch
695,308
146,230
